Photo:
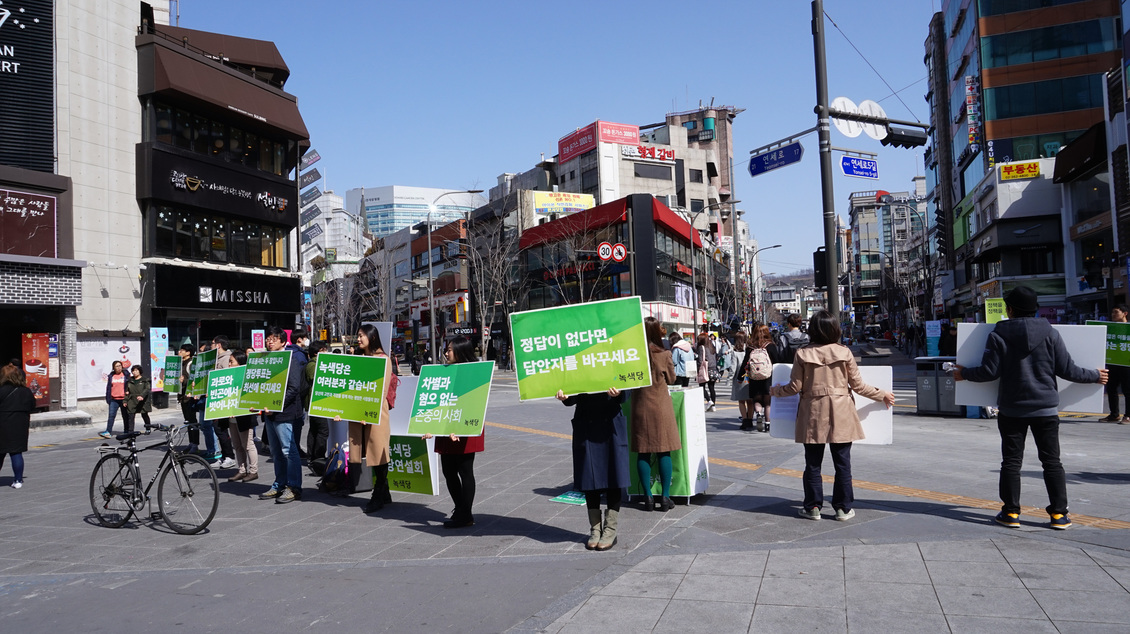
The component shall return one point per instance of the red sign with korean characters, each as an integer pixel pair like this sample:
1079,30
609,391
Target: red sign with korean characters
35,354
1015,171
585,139
27,224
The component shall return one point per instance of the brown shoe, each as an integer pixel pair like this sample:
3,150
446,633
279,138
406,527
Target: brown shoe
237,477
1113,418
1125,420
249,477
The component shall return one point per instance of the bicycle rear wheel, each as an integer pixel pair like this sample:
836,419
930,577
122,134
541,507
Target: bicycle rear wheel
188,494
112,489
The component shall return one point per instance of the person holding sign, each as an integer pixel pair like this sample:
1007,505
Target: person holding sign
1027,355
287,486
825,375
654,430
457,455
372,441
600,459
1118,376
240,429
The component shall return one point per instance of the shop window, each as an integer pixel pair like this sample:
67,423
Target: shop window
165,124
201,135
218,142
250,150
165,234
183,136
235,146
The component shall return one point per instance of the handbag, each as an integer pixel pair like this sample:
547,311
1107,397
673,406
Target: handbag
690,365
390,393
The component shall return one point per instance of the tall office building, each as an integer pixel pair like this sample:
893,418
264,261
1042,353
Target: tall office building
391,208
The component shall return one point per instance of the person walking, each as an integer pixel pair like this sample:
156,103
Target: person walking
115,396
683,358
371,442
187,404
457,454
600,459
287,486
707,368
792,339
241,431
1118,376
760,356
654,432
16,405
1027,355
825,375
139,398
739,389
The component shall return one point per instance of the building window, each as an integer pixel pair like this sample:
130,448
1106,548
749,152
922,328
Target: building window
997,7
1044,97
589,180
697,205
649,170
1052,42
690,125
208,237
213,138
696,176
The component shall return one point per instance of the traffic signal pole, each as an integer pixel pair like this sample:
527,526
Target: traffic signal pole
824,133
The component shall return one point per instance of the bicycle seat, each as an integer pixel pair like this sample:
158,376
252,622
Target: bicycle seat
127,436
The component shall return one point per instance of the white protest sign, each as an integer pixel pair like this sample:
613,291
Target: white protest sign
1087,345
877,420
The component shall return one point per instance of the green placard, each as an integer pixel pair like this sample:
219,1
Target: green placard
1117,341
264,384
994,310
580,348
570,497
451,399
682,482
172,373
224,388
410,467
198,370
348,386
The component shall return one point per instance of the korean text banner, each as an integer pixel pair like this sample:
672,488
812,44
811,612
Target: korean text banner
348,386
451,399
412,469
1117,341
158,348
171,377
224,388
198,370
264,383
580,348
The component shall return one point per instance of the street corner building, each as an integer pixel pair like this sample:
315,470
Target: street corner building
147,191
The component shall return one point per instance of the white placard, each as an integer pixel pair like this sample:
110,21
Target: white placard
877,420
1087,345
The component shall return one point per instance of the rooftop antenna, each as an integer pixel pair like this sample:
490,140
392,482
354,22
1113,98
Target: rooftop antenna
176,4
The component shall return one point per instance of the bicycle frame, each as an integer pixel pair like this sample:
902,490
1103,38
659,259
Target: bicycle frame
140,497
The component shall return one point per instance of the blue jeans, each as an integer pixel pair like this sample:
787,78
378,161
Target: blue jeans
115,405
207,428
284,451
843,495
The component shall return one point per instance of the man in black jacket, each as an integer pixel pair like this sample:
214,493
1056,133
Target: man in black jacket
1027,355
287,486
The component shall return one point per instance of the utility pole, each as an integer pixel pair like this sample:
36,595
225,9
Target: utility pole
825,135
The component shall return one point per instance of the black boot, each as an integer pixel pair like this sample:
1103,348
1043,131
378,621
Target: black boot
381,494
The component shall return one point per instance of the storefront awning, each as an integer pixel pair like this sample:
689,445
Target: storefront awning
1081,155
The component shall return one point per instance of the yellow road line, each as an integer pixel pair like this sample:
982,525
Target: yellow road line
922,494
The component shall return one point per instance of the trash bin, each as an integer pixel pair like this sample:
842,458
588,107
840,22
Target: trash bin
934,387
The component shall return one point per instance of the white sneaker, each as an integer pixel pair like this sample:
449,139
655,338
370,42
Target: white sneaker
810,514
217,464
843,516
18,484
228,463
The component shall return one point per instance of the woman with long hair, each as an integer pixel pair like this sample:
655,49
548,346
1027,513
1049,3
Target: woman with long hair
115,396
682,355
825,375
372,441
457,455
707,368
762,340
139,398
16,404
654,430
739,389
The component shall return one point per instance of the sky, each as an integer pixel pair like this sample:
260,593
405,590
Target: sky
453,93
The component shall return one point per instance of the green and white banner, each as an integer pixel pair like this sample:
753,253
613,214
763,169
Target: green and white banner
690,470
172,374
412,468
198,370
580,348
1117,341
451,399
264,382
348,386
224,388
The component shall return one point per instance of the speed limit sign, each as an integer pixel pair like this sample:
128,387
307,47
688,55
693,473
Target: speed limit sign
604,250
619,252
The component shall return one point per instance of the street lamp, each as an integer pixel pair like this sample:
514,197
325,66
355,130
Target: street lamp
431,278
752,261
690,238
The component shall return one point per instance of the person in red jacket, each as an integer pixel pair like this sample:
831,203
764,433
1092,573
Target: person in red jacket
457,454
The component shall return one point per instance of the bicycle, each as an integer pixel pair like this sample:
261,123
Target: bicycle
187,495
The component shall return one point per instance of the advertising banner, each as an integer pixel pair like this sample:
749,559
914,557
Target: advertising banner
311,232
933,338
1016,171
198,370
348,386
35,360
1117,342
27,223
994,310
412,468
264,383
451,399
690,471
259,339
310,215
224,388
158,349
309,158
562,202
309,178
580,348
170,374
96,357
309,196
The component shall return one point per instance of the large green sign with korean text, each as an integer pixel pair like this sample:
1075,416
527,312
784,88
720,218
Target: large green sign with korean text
451,399
348,386
224,388
264,382
1117,341
198,370
411,468
172,373
580,348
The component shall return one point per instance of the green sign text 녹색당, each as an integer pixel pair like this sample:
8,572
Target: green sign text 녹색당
348,386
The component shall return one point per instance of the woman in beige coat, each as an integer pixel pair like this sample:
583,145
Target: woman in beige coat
825,375
654,430
372,440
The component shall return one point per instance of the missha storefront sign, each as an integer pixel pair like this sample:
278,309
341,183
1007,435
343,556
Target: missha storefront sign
207,289
27,84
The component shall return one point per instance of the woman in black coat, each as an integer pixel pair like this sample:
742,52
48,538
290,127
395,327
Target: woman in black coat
16,403
600,459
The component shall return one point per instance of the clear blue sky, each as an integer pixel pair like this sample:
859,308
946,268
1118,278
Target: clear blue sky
454,93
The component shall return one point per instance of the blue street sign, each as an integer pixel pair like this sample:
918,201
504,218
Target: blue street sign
771,160
859,167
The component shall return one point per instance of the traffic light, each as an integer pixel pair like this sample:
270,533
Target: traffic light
905,137
819,269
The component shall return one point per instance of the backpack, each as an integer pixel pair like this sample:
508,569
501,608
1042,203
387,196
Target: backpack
760,365
333,471
787,346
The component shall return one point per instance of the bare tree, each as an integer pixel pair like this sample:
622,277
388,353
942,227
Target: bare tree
573,260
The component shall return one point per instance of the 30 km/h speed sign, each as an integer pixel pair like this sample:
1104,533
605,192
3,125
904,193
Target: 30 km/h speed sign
604,250
619,252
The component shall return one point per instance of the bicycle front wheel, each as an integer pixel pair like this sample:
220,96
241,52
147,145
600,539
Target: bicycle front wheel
188,494
112,489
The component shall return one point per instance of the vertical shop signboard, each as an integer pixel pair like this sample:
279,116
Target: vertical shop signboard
259,339
158,349
35,355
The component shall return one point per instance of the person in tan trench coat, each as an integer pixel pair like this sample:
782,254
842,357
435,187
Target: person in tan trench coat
825,375
372,441
654,430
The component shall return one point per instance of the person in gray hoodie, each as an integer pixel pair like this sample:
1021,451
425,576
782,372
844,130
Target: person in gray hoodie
1027,355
